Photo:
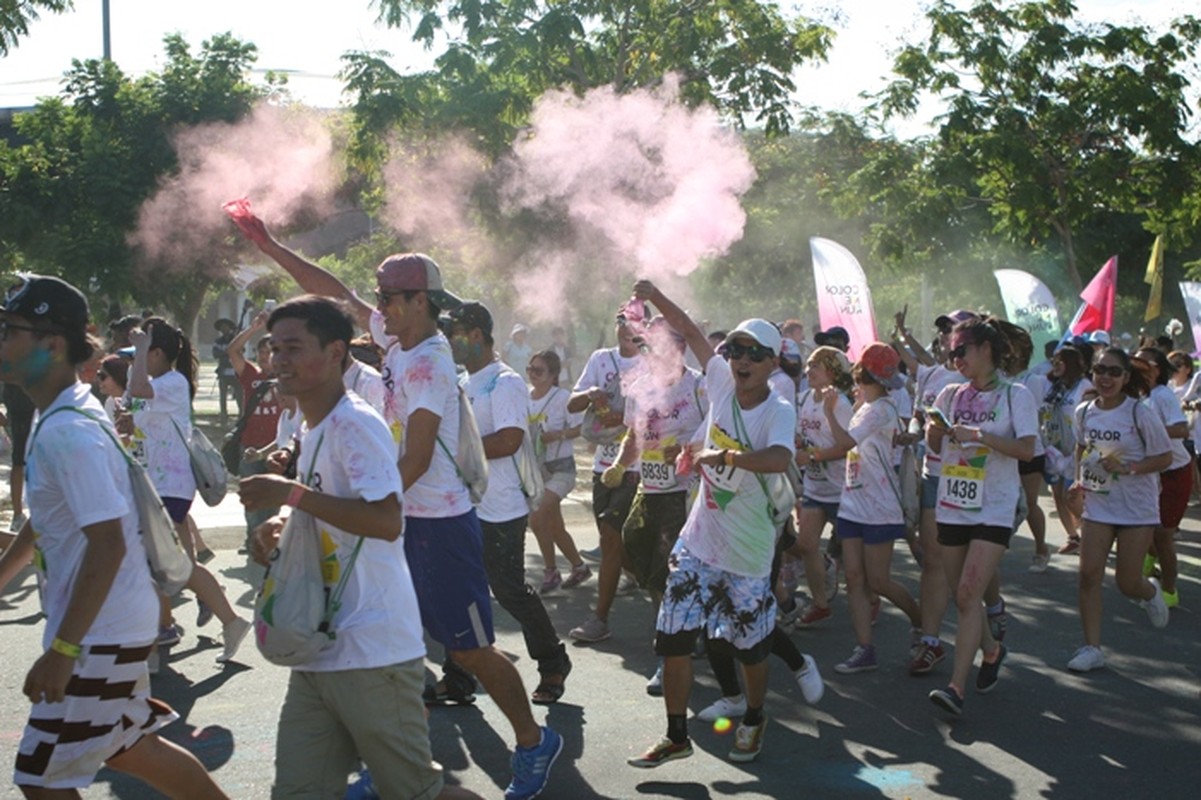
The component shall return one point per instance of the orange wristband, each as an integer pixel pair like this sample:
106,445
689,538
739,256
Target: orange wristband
295,495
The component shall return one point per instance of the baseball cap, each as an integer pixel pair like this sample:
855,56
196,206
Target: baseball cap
472,315
50,301
1098,337
883,364
828,337
954,318
518,328
415,272
762,331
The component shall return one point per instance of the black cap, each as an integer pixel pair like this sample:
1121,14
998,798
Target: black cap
826,337
50,301
472,315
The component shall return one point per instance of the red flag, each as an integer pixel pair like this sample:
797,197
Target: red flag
1097,312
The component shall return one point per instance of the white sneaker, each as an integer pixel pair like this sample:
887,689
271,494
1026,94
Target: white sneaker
724,707
233,634
1086,659
1038,563
1156,608
810,681
153,661
654,687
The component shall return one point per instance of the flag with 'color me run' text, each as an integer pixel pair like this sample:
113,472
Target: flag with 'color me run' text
843,299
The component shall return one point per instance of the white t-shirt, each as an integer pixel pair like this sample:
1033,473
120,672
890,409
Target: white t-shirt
1119,499
1037,385
783,385
425,378
1165,403
351,454
978,485
870,485
76,475
1056,418
663,416
730,525
930,383
162,426
499,399
288,427
606,369
823,479
517,356
549,413
365,381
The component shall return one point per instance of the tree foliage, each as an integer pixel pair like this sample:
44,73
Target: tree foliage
84,162
1056,119
15,16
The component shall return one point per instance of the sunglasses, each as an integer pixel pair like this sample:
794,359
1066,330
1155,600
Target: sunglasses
755,352
5,327
535,371
383,298
1113,372
958,352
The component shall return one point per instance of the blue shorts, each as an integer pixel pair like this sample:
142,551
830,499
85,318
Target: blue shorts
446,558
177,508
870,534
929,492
831,509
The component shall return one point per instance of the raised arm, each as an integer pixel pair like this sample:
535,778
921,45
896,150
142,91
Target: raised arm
237,347
678,319
312,278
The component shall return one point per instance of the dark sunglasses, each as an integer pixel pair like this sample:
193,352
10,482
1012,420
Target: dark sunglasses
958,352
383,298
755,352
1113,372
5,327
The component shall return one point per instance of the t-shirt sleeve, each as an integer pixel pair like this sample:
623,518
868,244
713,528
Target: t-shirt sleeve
782,430
1025,413
843,412
590,376
877,418
426,385
368,455
1078,422
85,478
1169,408
1155,435
719,380
510,403
171,395
945,400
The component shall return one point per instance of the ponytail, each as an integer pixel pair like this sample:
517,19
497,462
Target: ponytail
1010,345
176,347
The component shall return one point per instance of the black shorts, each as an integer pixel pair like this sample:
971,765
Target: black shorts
612,506
649,533
1035,466
963,535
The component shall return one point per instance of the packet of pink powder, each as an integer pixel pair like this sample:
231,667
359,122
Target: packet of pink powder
241,215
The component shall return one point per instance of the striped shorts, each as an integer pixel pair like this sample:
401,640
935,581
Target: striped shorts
108,709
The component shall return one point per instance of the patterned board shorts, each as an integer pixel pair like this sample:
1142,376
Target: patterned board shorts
734,608
108,710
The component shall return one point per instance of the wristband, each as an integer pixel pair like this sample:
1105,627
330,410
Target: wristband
979,435
66,648
295,495
728,457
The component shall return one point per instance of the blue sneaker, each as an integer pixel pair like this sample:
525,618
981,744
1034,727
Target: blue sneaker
531,766
362,789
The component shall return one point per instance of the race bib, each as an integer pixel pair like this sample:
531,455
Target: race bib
657,472
724,479
1094,477
608,454
853,478
961,487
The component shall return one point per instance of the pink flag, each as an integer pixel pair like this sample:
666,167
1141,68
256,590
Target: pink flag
843,299
1098,297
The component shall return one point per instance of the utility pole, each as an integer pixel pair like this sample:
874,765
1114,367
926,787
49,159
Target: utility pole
108,39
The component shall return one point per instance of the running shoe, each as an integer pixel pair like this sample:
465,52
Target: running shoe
592,555
998,622
989,673
787,618
168,636
551,580
748,741
18,522
1148,565
204,614
862,659
362,789
654,687
531,766
926,657
1071,547
1156,607
810,681
153,661
1171,599
948,700
594,629
831,578
724,707
232,634
579,573
813,615
1039,563
1086,659
661,752
627,585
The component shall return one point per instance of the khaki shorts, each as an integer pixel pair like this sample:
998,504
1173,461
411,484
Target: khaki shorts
330,718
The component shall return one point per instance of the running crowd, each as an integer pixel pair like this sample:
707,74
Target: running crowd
712,486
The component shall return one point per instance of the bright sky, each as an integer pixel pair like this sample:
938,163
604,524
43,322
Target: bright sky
307,37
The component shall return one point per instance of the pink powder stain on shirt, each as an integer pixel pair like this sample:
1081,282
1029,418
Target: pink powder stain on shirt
422,371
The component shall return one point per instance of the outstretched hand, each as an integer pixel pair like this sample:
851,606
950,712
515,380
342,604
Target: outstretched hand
645,290
251,226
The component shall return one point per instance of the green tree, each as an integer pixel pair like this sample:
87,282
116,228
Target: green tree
15,16
85,162
1060,122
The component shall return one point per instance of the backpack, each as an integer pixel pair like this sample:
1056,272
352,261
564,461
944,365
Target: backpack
170,566
231,445
208,466
292,616
469,461
529,472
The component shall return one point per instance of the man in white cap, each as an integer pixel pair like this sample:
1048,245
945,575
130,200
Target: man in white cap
517,351
719,576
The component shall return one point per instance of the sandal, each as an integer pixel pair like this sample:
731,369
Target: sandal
455,688
548,694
